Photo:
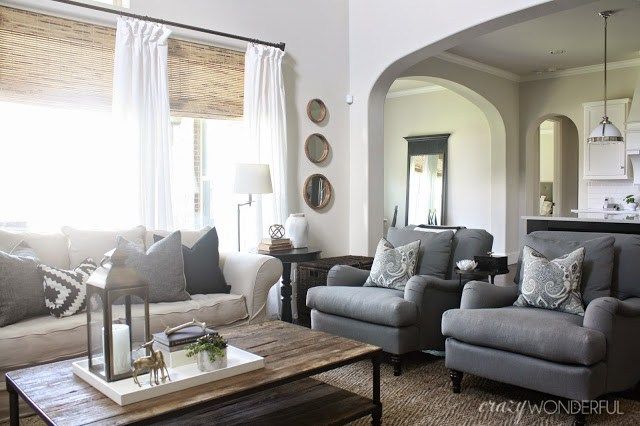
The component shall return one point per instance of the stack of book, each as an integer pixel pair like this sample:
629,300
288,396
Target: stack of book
275,244
173,346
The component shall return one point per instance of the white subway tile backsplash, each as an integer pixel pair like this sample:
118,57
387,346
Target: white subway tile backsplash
615,190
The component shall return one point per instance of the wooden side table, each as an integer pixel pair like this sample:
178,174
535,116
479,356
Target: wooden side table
287,258
478,273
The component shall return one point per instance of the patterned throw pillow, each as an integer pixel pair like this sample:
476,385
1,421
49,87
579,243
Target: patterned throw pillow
552,284
392,267
65,291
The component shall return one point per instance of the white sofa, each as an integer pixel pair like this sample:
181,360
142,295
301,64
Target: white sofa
46,339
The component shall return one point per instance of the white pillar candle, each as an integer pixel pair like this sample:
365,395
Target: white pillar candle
121,348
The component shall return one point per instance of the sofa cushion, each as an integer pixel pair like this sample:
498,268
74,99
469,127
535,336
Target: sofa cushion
161,266
45,339
94,244
540,333
552,284
435,249
202,264
597,267
393,266
369,304
51,249
65,291
21,292
626,252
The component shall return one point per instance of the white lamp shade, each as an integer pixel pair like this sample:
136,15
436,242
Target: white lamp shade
253,179
605,132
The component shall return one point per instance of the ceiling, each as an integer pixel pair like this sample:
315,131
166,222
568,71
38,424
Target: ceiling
408,85
524,48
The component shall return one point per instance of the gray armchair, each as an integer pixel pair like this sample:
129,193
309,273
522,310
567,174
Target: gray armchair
574,357
398,321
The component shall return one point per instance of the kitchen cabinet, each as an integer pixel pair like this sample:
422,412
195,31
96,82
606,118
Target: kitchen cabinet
605,160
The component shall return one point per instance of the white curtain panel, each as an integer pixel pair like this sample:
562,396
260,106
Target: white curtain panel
141,110
265,118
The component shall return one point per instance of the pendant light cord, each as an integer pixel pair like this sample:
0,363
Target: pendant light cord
605,65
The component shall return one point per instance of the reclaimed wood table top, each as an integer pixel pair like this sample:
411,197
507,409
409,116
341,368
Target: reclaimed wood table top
291,353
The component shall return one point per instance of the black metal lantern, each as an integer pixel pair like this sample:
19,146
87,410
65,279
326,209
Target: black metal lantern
117,318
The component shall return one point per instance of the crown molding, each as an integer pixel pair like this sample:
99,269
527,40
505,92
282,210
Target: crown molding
416,91
478,66
629,63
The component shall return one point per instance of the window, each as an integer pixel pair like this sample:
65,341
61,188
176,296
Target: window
60,162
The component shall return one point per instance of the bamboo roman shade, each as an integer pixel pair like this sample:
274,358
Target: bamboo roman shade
56,61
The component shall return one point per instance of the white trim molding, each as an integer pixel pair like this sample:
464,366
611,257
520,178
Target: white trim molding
478,66
498,72
417,91
629,63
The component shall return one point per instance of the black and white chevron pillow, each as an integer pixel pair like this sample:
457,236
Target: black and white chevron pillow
64,291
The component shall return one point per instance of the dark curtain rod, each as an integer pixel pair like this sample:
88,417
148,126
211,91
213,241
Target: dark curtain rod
171,23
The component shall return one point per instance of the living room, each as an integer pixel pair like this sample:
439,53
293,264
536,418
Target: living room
407,212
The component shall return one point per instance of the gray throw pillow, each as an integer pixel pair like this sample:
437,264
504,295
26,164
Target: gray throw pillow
597,267
202,265
392,267
161,266
552,284
21,290
435,249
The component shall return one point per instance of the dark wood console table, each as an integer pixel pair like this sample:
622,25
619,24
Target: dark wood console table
287,258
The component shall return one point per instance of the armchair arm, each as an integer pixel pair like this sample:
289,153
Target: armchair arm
481,294
619,321
432,296
343,275
251,275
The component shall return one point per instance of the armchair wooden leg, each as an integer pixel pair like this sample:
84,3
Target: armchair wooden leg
456,380
396,361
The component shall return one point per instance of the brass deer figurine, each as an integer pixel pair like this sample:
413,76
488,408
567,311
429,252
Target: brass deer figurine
154,362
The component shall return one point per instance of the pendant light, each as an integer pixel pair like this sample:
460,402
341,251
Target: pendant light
605,131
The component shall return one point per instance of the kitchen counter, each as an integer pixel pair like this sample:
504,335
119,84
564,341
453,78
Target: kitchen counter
582,219
552,223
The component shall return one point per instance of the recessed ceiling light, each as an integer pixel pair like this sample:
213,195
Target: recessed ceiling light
557,52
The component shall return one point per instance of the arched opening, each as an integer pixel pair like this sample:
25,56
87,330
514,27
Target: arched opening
421,105
552,166
367,135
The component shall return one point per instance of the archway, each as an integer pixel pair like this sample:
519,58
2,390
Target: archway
366,149
495,143
565,160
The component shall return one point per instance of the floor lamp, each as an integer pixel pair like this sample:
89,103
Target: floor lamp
251,179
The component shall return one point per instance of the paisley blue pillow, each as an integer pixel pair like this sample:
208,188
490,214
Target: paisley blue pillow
393,266
552,284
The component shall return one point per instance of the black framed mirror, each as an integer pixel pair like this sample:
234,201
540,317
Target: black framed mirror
426,179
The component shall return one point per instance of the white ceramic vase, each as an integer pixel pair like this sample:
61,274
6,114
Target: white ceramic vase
297,229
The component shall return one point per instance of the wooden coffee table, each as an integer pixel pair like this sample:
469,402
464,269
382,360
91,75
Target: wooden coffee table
281,393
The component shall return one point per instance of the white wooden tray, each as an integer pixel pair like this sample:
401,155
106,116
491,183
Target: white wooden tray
124,392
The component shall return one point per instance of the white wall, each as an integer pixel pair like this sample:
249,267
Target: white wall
564,96
386,38
316,65
468,159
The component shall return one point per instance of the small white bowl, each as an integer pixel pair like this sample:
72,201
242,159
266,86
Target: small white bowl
466,264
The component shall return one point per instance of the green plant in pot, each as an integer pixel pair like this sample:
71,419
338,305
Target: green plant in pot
210,351
630,202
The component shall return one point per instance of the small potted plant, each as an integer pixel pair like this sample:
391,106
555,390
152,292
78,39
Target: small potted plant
630,202
210,351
